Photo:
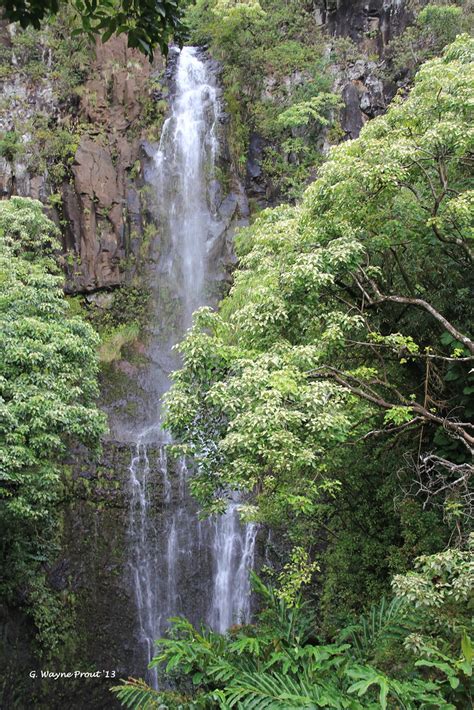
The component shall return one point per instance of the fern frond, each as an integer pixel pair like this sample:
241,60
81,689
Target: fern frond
384,622
277,691
136,694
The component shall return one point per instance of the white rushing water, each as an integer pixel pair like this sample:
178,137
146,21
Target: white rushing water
179,564
185,163
233,555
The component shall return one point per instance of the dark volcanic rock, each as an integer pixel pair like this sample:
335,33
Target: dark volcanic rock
256,185
351,116
358,18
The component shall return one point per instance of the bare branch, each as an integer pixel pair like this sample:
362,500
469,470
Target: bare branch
421,303
404,353
360,389
439,480
389,430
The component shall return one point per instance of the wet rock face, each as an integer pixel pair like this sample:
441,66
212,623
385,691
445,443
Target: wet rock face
370,22
94,555
364,96
94,209
101,207
91,571
256,185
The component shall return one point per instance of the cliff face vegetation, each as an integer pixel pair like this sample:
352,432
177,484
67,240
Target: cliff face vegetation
326,393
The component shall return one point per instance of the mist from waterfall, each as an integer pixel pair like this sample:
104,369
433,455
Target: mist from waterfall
170,548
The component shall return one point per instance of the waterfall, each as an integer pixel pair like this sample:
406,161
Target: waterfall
179,564
185,162
233,554
141,553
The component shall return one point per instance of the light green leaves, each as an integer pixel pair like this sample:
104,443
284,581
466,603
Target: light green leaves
315,110
25,230
367,678
398,415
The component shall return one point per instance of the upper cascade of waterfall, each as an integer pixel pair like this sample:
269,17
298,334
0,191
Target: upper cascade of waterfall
185,164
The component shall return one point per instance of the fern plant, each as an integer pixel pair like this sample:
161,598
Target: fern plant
137,694
386,622
277,664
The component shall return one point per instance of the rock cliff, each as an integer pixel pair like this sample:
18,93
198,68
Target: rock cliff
95,198
370,23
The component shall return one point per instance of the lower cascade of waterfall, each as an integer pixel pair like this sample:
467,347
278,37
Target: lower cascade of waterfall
179,564
233,556
182,565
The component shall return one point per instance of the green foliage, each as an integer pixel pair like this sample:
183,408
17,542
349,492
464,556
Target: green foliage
55,150
441,590
137,694
26,232
129,305
436,25
441,586
147,24
277,663
344,51
48,390
273,55
52,614
372,533
443,22
10,146
116,338
118,321
68,58
314,110
231,18
48,384
297,572
57,64
385,623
